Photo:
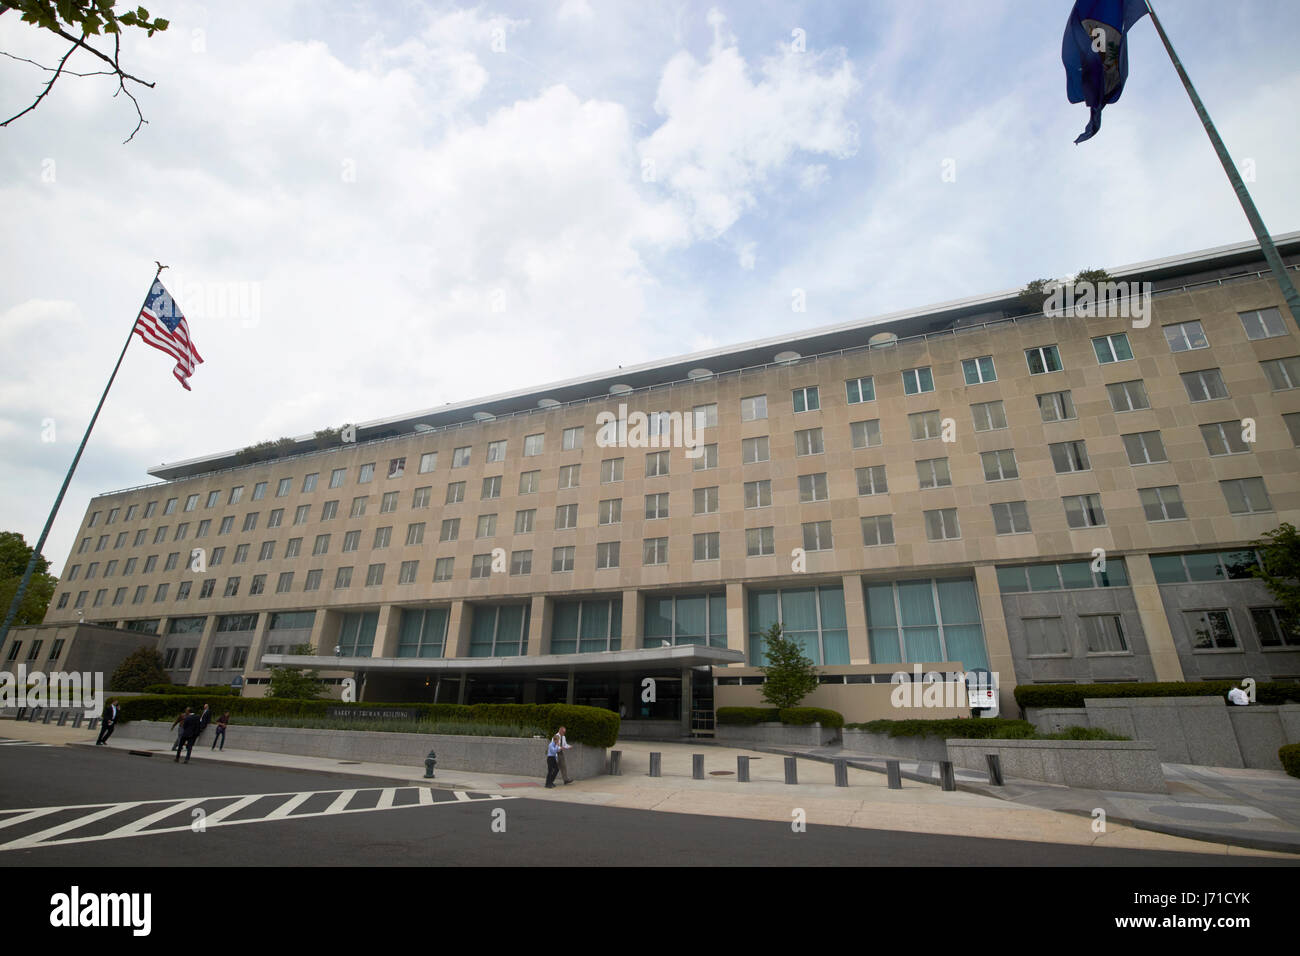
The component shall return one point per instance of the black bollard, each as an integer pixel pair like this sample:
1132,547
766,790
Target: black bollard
995,769
841,773
655,764
615,763
791,770
742,769
946,776
697,766
894,774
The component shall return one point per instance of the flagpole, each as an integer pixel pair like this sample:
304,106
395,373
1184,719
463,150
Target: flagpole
16,603
1271,256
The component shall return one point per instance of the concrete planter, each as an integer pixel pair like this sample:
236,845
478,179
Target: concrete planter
1125,765
1051,720
650,730
522,756
775,735
907,748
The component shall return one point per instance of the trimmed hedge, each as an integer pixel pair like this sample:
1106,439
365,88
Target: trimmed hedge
747,716
1073,695
1290,757
984,728
593,726
804,716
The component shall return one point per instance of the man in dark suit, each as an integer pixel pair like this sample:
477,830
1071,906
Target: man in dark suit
189,733
110,722
205,718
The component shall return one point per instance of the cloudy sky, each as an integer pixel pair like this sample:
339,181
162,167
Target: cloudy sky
375,207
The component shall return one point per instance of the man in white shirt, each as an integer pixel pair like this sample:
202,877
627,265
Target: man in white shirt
1238,696
564,745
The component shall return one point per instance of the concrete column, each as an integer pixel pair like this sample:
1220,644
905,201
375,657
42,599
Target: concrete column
387,631
200,668
258,642
324,628
855,614
1155,622
633,615
463,689
1001,661
568,694
459,621
539,625
687,693
737,617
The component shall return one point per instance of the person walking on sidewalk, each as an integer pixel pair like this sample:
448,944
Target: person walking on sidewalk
564,745
552,761
220,733
189,733
110,722
180,723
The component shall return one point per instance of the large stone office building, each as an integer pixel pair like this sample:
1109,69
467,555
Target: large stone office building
937,487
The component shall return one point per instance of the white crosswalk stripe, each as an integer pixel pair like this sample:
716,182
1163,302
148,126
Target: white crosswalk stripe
22,743
181,810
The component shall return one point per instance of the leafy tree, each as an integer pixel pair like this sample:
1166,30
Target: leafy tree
1280,572
141,668
1035,294
14,555
76,21
790,676
290,683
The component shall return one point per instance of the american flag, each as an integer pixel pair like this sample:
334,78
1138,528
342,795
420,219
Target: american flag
162,326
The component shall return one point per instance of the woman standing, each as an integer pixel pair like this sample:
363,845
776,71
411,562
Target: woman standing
222,721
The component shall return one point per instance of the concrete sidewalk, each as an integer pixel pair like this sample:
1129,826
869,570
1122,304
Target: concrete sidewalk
867,803
1258,809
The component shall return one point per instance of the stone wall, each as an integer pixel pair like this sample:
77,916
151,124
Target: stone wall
1131,766
775,735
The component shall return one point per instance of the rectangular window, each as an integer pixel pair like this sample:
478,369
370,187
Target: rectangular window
480,566
562,559
455,492
322,545
871,480
521,562
460,457
924,425
611,470
1262,324
611,511
707,546
182,591
275,518
533,445
1211,629
989,416
1224,438
420,497
656,464
817,536
942,524
143,533
753,408
285,582
388,503
491,487
1045,637
1127,396
1011,517
530,481
1271,624
1186,337
811,488
1282,374
1144,448
877,530
293,547
259,492
342,578
1292,420
487,526
415,533
917,380
308,483
232,587
606,555
383,537
865,434
706,459
979,370
1246,496
152,506
808,442
1043,359
337,477
706,416
1069,456
706,500
130,512
1084,511
268,551
569,476
933,473
191,502
450,529
806,400
428,462
1162,504
753,450
359,507
999,465
159,536
300,515
656,505
209,585
284,487
170,507
241,554
760,542
860,390
524,521
442,569
571,438
496,451
1112,348
654,551
1056,407
1205,385
351,541
758,494
150,564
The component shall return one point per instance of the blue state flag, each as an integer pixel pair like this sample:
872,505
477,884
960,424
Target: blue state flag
1095,54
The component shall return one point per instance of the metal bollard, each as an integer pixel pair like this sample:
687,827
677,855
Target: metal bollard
791,770
63,717
697,766
22,714
31,716
995,769
742,769
841,773
77,718
946,776
93,723
894,774
615,763
48,715
656,764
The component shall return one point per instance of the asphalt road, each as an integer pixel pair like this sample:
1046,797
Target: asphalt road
252,816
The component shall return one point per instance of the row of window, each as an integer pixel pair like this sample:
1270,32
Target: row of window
34,650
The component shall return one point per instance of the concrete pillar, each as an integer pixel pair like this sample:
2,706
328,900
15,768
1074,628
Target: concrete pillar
200,668
259,641
1155,622
568,694
462,690
687,694
633,615
737,617
1001,661
324,629
459,621
539,625
387,631
855,614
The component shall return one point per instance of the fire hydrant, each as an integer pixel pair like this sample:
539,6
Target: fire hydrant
430,762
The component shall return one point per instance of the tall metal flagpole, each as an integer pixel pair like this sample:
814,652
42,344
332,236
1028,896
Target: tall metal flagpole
67,479
1243,196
